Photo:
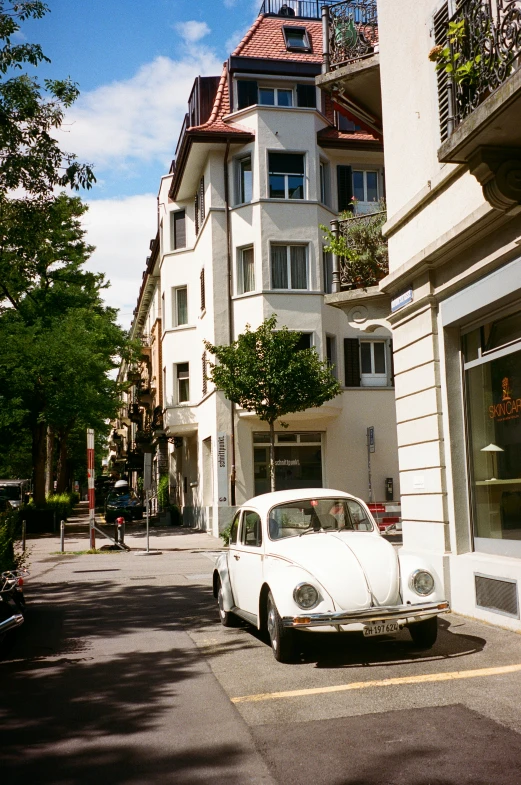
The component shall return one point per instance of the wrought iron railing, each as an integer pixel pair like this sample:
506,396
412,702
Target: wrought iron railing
303,9
367,260
487,51
352,31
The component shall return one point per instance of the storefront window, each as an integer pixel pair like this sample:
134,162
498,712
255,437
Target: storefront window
493,388
298,461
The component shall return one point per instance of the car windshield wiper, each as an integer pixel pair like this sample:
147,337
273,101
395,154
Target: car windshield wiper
311,530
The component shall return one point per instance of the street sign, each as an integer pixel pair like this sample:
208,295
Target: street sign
370,439
222,469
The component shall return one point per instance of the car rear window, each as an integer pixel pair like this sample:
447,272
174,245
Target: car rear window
309,515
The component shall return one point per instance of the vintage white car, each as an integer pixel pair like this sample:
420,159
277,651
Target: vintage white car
314,559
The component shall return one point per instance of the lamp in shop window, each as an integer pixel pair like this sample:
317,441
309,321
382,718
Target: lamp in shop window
494,449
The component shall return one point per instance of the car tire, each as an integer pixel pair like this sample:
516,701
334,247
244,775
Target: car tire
281,638
424,633
228,619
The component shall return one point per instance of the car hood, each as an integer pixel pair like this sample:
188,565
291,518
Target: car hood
357,569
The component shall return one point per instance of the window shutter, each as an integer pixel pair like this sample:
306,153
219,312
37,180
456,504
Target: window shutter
344,182
246,93
201,200
205,381
203,293
352,362
392,361
441,23
179,229
306,96
196,212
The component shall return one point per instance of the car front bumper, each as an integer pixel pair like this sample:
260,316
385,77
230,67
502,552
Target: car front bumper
404,613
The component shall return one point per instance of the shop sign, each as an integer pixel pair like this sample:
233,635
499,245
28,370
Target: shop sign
509,408
222,469
401,300
287,462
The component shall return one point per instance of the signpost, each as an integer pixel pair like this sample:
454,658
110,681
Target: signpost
147,488
370,449
90,487
222,469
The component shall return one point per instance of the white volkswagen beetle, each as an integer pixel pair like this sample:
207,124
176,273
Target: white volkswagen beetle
314,559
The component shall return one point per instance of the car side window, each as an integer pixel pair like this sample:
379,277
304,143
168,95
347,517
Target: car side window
358,516
233,530
251,533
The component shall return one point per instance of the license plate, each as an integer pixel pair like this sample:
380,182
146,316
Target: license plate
380,628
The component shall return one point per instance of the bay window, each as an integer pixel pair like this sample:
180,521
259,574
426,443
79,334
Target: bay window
286,175
289,267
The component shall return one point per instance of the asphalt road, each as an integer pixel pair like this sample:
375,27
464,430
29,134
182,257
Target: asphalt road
122,674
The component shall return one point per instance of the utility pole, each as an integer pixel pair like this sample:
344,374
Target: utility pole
91,491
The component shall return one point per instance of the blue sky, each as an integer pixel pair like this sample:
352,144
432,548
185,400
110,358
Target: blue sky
135,62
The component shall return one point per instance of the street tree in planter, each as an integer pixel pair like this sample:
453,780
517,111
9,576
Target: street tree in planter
264,373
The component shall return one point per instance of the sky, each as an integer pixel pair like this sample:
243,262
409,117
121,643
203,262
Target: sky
135,62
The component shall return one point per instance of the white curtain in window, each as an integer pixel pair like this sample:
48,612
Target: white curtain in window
248,279
182,306
298,267
279,267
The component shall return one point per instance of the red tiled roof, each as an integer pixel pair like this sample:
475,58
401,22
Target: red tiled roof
265,39
221,107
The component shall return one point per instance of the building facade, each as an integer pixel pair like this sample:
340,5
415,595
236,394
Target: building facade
452,162
263,160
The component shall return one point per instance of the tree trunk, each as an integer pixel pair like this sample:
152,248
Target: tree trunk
39,452
61,480
49,463
272,456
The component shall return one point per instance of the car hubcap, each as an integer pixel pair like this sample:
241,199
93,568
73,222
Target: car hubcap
272,627
221,604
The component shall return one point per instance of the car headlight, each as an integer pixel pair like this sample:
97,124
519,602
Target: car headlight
306,596
422,582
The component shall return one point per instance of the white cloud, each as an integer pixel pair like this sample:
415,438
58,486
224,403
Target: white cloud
230,3
121,230
236,37
192,31
136,120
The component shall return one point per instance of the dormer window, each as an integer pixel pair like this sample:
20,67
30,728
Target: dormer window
297,39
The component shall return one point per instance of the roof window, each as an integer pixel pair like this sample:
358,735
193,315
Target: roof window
297,39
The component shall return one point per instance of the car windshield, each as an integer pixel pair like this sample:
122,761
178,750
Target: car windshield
119,495
308,515
11,492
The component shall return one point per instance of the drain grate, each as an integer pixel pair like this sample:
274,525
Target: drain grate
497,595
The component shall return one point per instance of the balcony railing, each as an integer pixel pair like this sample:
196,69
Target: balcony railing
485,52
352,31
362,256
303,9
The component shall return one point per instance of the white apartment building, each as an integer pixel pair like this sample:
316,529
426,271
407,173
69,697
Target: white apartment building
262,161
452,162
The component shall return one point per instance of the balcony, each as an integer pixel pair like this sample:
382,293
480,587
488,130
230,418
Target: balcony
351,67
480,95
360,254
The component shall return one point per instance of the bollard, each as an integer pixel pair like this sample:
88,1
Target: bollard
23,536
120,531
62,536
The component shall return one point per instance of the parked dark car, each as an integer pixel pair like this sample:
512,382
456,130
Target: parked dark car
122,502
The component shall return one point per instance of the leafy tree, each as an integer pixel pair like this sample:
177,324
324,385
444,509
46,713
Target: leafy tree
262,372
30,157
361,247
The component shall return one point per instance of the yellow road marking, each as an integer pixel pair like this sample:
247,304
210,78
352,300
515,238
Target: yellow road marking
361,685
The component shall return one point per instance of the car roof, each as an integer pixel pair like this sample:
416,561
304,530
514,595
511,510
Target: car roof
266,501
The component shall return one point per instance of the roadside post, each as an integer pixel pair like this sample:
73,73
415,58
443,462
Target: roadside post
91,492
370,449
62,537
147,487
23,536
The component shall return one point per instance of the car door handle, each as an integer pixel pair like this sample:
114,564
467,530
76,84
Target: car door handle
236,556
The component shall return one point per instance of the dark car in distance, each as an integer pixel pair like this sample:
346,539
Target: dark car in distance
122,502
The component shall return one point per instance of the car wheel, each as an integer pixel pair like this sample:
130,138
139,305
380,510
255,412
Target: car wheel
281,638
228,619
424,633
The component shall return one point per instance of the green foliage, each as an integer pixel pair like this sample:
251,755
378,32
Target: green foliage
30,156
163,497
62,504
225,534
361,247
464,69
262,372
8,532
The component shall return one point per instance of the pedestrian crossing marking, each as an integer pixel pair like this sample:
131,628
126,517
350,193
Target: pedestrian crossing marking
361,685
